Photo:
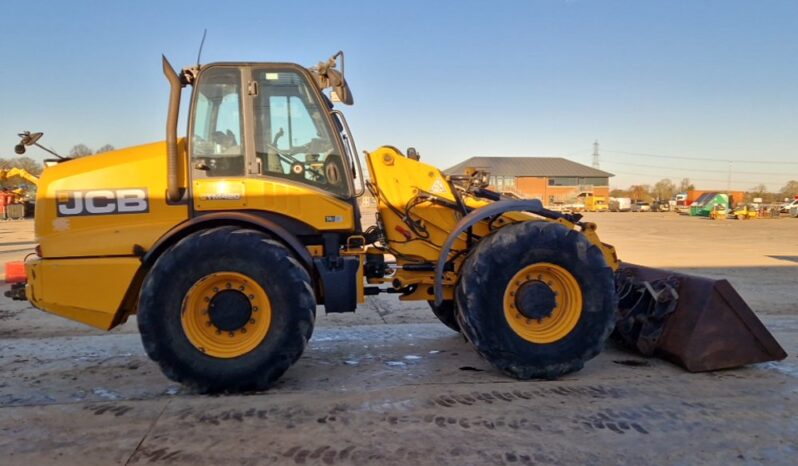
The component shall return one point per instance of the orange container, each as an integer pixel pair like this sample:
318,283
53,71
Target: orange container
15,272
6,198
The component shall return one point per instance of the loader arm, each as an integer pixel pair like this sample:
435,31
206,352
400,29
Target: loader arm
429,224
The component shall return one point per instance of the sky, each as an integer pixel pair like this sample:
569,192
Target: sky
669,89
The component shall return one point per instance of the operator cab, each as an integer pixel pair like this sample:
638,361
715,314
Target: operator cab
271,120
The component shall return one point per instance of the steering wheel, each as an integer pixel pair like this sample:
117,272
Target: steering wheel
288,156
334,170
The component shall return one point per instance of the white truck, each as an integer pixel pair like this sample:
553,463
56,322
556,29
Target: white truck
788,207
620,204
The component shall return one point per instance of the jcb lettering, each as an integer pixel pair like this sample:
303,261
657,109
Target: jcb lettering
102,202
131,201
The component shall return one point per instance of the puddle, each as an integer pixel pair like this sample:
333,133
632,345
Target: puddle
781,367
107,394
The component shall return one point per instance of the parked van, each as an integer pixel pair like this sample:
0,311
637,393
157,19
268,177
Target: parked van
620,204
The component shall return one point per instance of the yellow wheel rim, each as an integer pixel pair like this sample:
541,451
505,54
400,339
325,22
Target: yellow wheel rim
217,334
563,317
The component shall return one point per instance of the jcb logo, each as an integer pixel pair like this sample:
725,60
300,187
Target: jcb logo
102,202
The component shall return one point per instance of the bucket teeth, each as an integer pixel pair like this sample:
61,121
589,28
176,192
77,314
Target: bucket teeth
699,323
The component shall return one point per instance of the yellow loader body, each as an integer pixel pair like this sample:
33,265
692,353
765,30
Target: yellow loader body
97,216
87,290
105,205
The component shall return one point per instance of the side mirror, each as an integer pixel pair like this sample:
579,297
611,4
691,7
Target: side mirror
26,138
30,139
328,77
340,88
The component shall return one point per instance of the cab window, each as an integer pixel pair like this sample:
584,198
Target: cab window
292,137
217,148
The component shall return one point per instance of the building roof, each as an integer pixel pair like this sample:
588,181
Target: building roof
527,166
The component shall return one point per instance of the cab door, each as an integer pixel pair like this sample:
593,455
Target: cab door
218,140
299,159
295,137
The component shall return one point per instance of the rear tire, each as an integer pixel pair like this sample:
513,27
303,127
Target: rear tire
563,282
446,313
176,307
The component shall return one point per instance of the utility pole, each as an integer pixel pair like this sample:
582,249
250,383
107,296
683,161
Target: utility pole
596,154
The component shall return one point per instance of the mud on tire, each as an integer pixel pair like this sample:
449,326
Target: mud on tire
485,277
246,252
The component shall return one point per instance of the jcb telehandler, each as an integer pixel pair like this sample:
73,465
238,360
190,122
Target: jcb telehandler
224,242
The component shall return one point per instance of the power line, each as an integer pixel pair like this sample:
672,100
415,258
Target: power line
736,172
737,186
576,152
704,159
714,180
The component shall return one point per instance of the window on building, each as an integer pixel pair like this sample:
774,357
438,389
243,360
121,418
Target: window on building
563,181
594,181
502,183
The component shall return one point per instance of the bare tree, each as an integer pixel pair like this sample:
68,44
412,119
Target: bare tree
619,193
639,192
789,190
759,191
80,150
685,185
664,189
105,148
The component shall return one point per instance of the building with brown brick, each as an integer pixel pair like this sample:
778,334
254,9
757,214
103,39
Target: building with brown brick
553,180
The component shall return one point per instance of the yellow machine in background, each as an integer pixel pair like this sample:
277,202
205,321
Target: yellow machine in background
719,212
11,173
223,243
15,200
596,204
745,213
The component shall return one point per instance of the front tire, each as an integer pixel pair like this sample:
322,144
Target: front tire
226,309
446,313
536,299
